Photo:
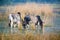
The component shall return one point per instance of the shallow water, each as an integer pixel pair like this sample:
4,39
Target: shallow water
54,29
7,30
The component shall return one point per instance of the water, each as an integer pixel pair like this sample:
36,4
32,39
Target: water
7,30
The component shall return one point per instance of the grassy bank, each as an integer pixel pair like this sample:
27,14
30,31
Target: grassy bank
29,36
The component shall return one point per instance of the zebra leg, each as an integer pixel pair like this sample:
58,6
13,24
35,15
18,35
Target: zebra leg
24,25
36,24
27,26
42,29
41,26
15,25
11,24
